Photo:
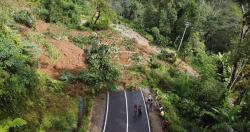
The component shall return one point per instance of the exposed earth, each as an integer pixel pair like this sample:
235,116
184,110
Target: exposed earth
72,59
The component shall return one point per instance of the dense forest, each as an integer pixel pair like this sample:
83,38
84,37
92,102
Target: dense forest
212,36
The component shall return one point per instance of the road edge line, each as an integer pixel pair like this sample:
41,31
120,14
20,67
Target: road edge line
149,128
107,111
126,108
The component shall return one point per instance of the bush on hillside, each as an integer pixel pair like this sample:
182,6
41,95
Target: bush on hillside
99,26
25,17
129,44
101,70
18,77
158,38
6,124
81,41
60,11
167,56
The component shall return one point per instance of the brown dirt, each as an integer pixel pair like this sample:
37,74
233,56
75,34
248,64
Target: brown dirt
124,56
147,50
184,67
80,33
77,89
110,37
42,26
71,59
128,79
141,42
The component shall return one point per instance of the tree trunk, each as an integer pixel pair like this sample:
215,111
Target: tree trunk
98,16
233,75
237,58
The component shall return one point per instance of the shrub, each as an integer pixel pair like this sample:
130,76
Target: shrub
60,11
81,41
103,25
7,124
101,17
60,123
221,127
66,76
101,70
19,80
167,56
153,63
25,17
176,128
85,121
158,38
208,93
205,64
51,51
137,58
31,49
129,44
188,109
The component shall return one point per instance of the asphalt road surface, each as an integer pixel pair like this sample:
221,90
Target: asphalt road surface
120,115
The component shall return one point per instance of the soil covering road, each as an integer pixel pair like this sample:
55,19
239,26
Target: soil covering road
120,113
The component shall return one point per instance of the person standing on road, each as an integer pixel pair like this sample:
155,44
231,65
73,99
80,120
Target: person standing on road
150,102
135,109
139,110
165,124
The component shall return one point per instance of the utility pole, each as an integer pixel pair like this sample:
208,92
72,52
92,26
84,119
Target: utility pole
187,24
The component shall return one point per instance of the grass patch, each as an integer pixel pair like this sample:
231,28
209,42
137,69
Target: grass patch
82,41
129,44
85,122
25,17
51,51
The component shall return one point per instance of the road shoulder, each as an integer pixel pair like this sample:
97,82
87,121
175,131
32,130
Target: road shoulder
154,117
98,113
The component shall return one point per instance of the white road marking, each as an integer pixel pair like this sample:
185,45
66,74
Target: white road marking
149,129
107,111
126,108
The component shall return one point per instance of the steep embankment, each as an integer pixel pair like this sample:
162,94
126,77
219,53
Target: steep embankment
71,58
144,45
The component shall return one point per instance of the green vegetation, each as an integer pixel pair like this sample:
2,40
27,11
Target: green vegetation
129,44
60,11
167,56
86,120
50,50
102,72
8,123
26,95
211,36
217,99
102,15
24,17
82,41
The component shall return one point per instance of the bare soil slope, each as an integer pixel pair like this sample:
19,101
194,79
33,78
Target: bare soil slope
71,57
143,45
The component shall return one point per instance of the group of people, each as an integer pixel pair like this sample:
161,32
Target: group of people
150,103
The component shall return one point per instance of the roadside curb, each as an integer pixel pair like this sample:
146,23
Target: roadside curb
149,124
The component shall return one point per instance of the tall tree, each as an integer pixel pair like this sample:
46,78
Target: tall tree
239,61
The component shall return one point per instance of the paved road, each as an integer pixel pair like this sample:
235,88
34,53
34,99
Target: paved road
120,115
